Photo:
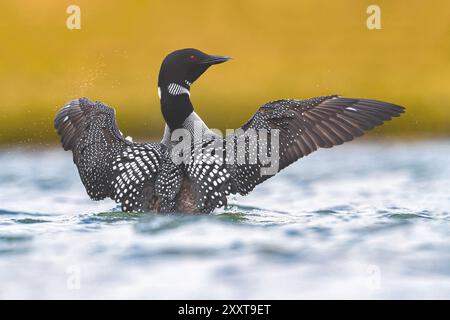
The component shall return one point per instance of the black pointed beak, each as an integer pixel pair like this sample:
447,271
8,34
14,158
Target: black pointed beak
210,60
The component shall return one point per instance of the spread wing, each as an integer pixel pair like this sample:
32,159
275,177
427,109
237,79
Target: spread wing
307,125
108,164
303,126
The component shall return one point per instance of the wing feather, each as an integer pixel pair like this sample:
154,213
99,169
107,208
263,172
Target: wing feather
307,125
109,165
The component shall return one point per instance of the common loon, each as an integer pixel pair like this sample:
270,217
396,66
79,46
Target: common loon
144,177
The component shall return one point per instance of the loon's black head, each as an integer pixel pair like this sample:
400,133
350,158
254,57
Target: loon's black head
178,71
185,66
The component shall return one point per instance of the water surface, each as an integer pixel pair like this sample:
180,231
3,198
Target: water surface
363,220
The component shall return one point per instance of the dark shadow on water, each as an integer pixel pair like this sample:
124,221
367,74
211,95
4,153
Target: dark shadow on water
278,254
14,244
245,209
13,213
154,222
398,213
407,216
143,253
30,221
335,210
232,216
111,217
14,238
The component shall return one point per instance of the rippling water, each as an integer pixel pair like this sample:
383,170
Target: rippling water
362,220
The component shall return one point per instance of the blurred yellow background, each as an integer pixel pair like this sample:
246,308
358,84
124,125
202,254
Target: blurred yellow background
282,49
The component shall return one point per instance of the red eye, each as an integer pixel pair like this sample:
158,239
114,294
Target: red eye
192,57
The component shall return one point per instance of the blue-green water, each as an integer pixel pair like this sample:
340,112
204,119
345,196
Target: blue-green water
363,220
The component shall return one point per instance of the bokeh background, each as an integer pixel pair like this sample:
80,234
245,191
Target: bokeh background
282,49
